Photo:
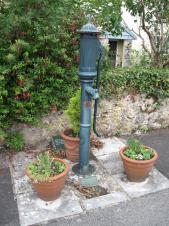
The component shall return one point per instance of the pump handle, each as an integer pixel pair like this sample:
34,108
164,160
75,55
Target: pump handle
97,87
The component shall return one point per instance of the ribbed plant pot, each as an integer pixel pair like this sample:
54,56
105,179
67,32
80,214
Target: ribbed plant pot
137,170
72,146
50,190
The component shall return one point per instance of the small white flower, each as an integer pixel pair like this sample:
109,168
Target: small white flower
140,156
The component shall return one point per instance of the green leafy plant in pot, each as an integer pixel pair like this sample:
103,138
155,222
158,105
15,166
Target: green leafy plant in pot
71,136
138,160
47,175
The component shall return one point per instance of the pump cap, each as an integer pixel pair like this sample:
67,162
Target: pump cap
89,27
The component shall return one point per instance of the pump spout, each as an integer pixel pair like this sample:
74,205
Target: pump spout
92,92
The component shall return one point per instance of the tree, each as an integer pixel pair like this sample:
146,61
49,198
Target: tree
154,21
107,13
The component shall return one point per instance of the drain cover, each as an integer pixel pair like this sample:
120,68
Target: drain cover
88,181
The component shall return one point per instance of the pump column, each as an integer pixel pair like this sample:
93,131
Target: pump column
89,46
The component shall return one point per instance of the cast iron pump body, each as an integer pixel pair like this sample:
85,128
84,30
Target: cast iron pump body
89,53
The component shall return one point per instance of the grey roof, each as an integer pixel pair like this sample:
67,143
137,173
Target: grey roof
126,35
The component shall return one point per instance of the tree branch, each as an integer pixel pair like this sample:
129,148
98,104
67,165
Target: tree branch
151,38
143,42
166,63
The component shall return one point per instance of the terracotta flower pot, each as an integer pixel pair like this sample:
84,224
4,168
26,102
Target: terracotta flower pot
50,190
72,145
137,170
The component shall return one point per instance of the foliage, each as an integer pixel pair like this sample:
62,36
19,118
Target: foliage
39,52
107,14
15,141
2,135
38,56
106,62
136,151
73,112
152,81
140,58
153,20
45,167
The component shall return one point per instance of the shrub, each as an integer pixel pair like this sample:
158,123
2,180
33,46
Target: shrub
140,58
151,81
38,57
2,135
15,141
4,109
73,113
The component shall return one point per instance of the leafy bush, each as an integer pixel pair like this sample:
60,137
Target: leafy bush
2,135
151,81
15,141
73,113
140,58
4,109
136,151
39,51
45,167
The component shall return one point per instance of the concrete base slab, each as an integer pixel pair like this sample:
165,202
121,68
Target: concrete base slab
104,179
105,200
22,185
109,174
112,163
154,183
110,145
32,210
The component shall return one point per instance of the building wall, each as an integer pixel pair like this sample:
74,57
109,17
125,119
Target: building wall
127,47
123,52
119,54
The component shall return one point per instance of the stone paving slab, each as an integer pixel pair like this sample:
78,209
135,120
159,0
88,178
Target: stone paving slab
106,200
22,185
33,210
8,205
154,183
109,173
110,146
112,163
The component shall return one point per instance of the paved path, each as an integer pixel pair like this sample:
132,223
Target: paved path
8,206
150,210
159,140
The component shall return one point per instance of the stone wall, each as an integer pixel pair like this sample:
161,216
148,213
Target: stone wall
126,115
132,114
39,137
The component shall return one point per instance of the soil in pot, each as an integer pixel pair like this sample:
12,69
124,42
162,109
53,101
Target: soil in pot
72,145
50,190
137,170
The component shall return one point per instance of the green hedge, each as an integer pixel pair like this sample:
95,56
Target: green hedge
39,53
151,81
